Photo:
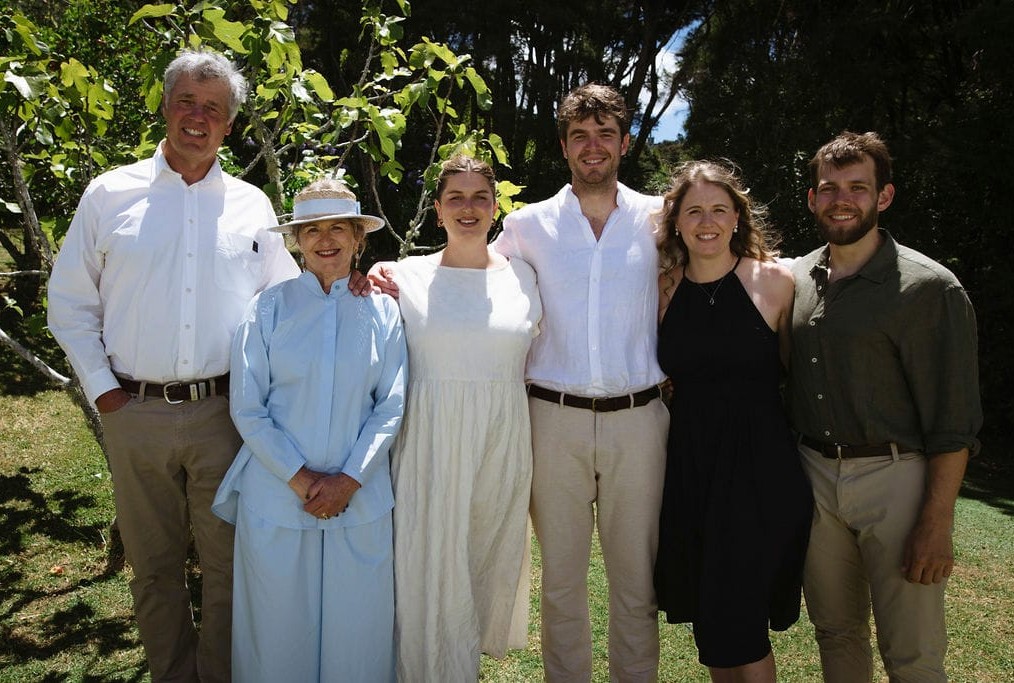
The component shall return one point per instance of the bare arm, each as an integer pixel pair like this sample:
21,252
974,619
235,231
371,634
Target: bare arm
929,550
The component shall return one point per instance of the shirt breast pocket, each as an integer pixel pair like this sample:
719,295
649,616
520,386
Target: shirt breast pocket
237,263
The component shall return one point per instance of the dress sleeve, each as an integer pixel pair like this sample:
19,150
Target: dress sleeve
75,315
377,434
250,382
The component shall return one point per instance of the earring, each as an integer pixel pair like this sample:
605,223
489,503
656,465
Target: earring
736,229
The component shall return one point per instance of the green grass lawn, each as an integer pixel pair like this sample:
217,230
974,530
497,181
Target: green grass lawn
65,611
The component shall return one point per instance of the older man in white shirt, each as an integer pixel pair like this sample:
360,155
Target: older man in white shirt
154,276
598,423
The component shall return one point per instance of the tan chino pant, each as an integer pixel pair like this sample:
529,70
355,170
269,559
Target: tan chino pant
604,468
167,462
864,510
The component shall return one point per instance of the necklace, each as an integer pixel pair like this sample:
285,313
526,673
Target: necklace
710,293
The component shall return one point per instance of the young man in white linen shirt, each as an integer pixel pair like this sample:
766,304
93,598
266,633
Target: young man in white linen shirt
598,423
153,278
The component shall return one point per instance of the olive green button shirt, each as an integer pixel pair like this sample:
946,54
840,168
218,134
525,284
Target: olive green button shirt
886,355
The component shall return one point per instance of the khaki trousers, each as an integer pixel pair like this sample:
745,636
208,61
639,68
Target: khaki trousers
864,510
167,462
606,468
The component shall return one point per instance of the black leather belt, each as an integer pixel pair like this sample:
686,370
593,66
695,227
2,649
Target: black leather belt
178,392
605,404
842,452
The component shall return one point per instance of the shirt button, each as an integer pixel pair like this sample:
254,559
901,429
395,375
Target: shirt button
186,327
827,433
812,323
820,397
186,362
812,360
188,290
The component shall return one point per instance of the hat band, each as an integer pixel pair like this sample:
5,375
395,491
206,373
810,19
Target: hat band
324,207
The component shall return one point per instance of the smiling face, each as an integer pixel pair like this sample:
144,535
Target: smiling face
593,150
328,248
197,121
706,218
846,203
466,206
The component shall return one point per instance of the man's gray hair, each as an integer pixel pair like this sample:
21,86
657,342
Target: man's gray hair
206,66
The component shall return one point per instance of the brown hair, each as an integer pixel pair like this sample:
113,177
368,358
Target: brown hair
461,163
753,237
592,99
850,148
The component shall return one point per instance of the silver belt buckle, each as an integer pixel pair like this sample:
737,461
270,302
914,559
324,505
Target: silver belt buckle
837,448
165,393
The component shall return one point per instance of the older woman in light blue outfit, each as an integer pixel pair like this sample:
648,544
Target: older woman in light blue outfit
317,394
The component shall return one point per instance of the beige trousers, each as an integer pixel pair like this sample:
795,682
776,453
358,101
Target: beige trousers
864,510
604,468
167,462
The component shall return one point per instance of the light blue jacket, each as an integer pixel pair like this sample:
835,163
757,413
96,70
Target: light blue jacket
317,380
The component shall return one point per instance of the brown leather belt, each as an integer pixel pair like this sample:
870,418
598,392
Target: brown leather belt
605,404
842,452
178,392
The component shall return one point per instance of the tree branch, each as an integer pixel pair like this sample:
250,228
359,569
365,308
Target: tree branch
36,362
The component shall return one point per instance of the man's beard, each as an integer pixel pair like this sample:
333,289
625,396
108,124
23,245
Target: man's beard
844,236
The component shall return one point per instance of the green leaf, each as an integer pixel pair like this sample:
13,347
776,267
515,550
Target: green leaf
229,32
482,95
496,145
28,32
151,11
320,85
29,87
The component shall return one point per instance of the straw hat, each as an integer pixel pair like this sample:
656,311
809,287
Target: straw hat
328,204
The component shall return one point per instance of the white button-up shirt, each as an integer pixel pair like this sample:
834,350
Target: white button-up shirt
154,275
600,297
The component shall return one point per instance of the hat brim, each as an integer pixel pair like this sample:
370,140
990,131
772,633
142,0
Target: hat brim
370,223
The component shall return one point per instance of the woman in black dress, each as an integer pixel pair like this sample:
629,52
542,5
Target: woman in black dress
737,506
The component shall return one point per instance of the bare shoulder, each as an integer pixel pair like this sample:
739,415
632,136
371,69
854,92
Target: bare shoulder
767,278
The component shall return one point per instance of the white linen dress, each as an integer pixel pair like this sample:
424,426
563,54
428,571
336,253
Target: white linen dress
462,467
317,380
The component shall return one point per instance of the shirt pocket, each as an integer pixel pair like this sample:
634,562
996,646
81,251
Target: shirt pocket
238,263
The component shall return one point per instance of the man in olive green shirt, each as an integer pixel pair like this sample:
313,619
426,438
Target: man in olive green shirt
884,394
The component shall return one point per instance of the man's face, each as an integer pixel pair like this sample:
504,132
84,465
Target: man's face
593,150
846,203
197,121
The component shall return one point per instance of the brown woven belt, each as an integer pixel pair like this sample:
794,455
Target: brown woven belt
842,452
605,404
178,392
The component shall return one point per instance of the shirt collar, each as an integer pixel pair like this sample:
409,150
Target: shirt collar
877,269
161,165
339,289
570,200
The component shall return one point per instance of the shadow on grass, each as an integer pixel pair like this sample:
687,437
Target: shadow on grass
25,515
990,481
990,475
